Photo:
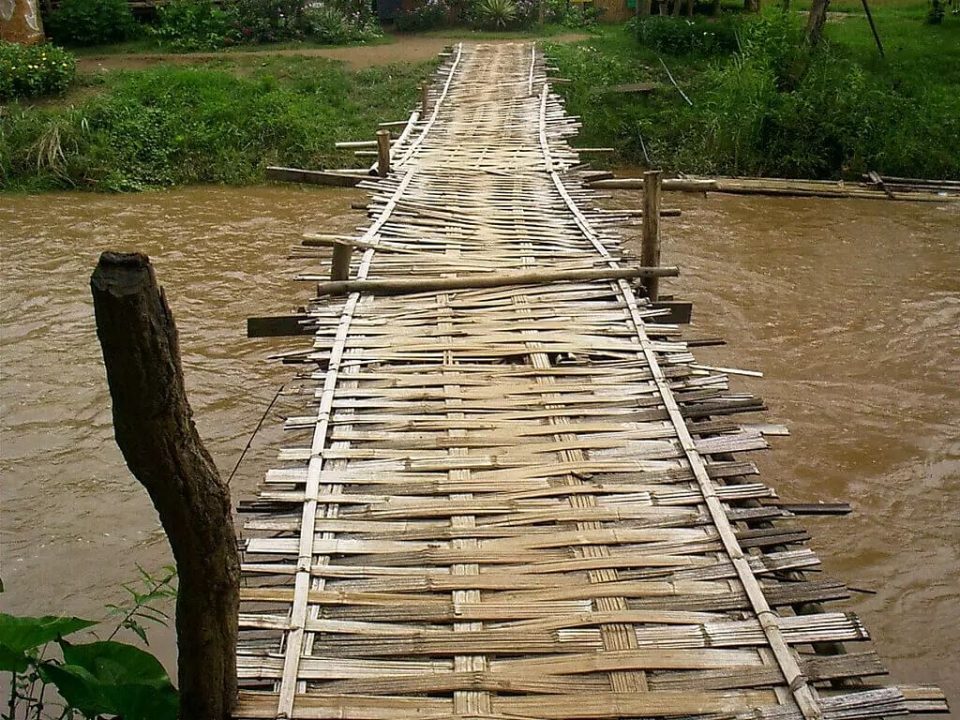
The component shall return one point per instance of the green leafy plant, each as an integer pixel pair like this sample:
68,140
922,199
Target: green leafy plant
495,14
34,70
102,678
263,21
425,15
194,25
91,22
679,36
331,25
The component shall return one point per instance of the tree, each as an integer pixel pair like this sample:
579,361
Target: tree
816,21
20,22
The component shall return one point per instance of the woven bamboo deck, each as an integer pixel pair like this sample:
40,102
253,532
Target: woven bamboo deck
523,501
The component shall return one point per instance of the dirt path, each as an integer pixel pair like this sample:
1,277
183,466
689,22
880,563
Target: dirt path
404,48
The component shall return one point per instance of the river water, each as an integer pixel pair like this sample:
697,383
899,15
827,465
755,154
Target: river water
850,308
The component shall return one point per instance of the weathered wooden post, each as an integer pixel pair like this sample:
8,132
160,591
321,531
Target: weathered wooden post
650,250
340,265
424,99
383,152
153,424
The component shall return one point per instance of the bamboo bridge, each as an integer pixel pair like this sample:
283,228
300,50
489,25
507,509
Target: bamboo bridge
524,500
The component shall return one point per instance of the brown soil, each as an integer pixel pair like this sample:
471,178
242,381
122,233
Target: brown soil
404,48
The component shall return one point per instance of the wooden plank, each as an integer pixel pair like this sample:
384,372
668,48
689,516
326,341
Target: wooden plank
278,326
314,177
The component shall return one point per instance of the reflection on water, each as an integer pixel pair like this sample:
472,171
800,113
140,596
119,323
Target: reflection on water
851,308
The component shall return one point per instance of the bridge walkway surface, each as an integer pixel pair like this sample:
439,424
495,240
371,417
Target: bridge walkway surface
524,501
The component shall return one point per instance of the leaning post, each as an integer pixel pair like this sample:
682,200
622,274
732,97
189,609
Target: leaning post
153,425
650,250
383,152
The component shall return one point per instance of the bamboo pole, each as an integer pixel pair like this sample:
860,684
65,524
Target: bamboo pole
424,99
485,280
650,250
383,152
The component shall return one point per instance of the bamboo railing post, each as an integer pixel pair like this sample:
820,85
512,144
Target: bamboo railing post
153,425
650,250
383,152
340,265
424,99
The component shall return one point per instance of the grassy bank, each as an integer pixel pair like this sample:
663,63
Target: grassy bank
220,121
765,107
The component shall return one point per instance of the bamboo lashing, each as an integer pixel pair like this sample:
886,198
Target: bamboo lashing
512,492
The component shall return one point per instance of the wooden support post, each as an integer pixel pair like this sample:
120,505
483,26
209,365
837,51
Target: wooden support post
383,152
650,250
153,426
424,99
340,265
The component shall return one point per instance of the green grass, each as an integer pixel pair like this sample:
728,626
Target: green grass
215,122
836,113
143,46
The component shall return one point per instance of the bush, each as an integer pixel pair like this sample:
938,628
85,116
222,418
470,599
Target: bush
425,15
34,70
262,21
678,36
570,15
330,25
194,25
91,22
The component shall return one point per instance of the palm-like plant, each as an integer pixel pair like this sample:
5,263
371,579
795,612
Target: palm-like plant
496,14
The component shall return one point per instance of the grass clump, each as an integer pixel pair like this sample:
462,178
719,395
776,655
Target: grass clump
217,123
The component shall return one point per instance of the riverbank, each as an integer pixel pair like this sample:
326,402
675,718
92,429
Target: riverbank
220,119
760,104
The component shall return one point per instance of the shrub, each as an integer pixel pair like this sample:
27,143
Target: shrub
269,20
330,25
678,36
91,22
194,25
573,16
425,15
495,14
34,70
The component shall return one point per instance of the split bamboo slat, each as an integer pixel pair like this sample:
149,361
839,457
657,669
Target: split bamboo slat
508,499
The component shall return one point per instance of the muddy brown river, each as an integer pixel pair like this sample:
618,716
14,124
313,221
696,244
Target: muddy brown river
850,308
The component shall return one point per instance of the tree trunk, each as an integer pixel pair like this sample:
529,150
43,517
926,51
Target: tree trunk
816,21
153,426
20,22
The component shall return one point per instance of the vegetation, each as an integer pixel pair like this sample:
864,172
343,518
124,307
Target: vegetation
28,71
92,679
194,25
772,105
220,122
91,22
